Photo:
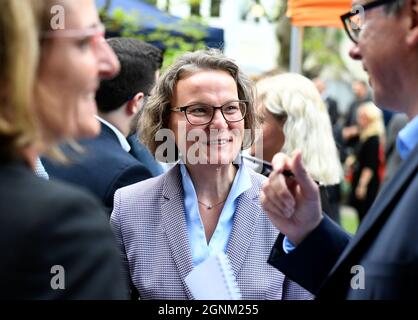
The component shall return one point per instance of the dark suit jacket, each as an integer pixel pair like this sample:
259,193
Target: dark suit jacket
102,168
332,110
43,224
385,245
143,155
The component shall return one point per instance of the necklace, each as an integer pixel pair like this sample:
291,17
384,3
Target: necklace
210,206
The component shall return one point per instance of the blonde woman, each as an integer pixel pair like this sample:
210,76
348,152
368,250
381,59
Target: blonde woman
368,158
295,117
55,241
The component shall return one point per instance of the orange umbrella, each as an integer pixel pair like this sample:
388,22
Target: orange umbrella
317,13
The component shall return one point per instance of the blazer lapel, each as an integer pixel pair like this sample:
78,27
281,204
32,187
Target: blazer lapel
380,209
245,223
174,224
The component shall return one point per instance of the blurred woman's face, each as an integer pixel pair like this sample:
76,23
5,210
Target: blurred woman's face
217,142
273,135
362,119
73,61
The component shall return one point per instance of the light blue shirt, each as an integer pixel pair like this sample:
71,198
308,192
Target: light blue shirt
201,250
407,138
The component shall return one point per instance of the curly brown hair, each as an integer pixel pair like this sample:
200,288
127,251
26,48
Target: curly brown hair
156,112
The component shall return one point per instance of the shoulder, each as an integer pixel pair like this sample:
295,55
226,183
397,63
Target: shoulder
62,200
257,179
146,188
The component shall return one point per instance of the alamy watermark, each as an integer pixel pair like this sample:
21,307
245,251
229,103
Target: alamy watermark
58,279
359,10
200,146
358,281
58,17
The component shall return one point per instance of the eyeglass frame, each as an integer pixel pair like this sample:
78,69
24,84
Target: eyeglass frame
346,16
214,108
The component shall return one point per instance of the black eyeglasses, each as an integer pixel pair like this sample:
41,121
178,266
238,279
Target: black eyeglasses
353,20
198,114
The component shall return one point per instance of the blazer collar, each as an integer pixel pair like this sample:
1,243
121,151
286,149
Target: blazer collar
174,224
378,213
245,223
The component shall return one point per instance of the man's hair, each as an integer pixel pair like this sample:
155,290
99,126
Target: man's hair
139,62
394,7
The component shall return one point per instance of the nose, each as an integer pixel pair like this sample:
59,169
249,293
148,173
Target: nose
354,52
109,65
218,120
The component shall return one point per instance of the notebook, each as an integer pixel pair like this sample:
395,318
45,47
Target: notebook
213,279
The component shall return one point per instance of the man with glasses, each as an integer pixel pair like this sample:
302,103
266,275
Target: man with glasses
381,261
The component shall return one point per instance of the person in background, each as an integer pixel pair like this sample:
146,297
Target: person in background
206,204
350,130
330,102
105,163
318,254
368,160
55,241
295,117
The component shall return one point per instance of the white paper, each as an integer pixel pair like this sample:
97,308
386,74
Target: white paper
213,279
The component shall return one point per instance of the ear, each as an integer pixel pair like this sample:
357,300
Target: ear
135,104
412,36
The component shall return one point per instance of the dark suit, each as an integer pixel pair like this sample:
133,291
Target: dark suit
143,155
44,224
332,110
385,245
102,168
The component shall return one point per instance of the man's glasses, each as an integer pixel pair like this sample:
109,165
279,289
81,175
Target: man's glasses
354,20
200,114
94,34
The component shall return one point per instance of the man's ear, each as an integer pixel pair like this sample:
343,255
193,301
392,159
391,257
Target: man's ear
412,36
135,104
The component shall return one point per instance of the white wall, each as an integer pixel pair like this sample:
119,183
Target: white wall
253,45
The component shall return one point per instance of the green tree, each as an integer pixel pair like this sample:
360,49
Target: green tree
178,38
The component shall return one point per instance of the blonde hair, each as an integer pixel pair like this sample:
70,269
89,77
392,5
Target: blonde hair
21,23
376,125
307,127
19,56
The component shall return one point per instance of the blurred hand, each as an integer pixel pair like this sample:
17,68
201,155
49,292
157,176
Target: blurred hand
361,192
292,204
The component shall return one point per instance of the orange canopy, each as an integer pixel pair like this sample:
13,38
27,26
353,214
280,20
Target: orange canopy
317,13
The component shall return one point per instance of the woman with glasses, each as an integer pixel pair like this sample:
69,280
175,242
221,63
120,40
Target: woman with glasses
55,242
199,113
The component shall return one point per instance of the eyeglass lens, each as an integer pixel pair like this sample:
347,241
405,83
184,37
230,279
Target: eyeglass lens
203,114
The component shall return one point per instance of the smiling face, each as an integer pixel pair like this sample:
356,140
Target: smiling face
217,142
69,73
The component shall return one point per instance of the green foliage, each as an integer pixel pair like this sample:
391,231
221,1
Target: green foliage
130,24
321,45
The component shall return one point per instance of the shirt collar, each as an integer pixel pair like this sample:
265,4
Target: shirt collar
407,138
242,182
122,139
